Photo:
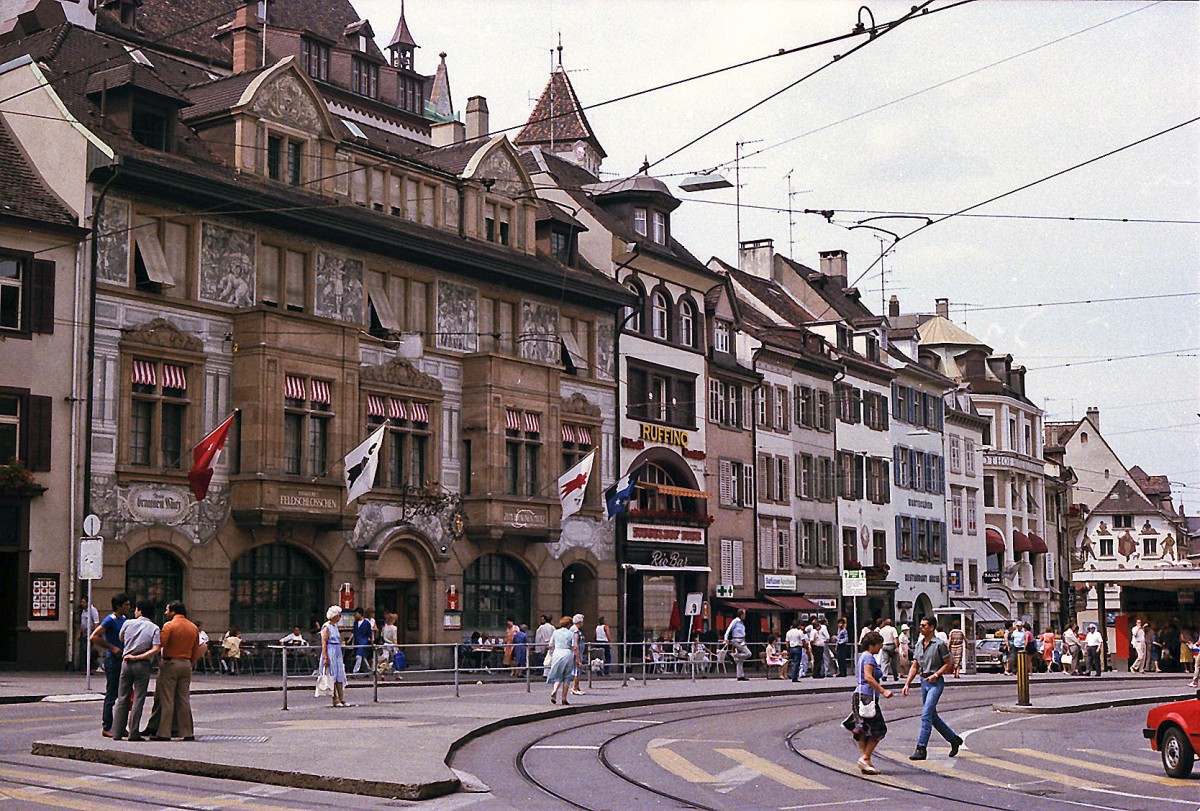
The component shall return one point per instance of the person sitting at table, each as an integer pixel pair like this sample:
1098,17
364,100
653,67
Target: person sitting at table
699,656
654,656
231,652
479,651
294,638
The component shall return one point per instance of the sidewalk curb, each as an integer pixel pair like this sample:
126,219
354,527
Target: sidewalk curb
1093,705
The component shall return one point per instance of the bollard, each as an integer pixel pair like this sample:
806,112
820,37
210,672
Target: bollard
283,666
624,649
1022,679
375,673
456,695
528,670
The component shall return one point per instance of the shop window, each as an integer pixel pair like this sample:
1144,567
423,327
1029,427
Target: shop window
495,587
275,588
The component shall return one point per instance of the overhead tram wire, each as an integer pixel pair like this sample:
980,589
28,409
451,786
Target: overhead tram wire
974,309
1183,352
874,34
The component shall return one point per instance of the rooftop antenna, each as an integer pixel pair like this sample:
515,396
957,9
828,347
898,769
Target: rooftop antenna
791,212
737,181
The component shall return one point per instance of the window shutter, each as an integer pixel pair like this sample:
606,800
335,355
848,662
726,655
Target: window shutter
41,310
784,478
860,476
896,451
726,488
766,547
941,475
883,411
786,548
38,453
739,556
781,393
764,478
726,561
747,485
797,406
899,546
886,482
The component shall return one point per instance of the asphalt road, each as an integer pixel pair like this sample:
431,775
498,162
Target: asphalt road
793,754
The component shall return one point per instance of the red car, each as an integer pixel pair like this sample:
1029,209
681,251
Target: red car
1174,730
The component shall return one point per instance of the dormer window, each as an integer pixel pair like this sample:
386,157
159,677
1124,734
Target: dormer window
285,160
721,335
150,127
639,221
660,227
314,58
365,78
560,247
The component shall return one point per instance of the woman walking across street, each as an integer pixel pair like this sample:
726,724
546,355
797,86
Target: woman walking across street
331,655
868,729
562,660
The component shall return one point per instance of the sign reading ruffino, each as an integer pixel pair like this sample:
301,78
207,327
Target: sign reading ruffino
667,436
306,500
665,533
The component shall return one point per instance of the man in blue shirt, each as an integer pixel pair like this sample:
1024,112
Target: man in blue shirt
364,634
735,638
107,635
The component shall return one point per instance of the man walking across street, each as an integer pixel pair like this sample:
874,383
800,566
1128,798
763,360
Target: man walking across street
891,657
108,634
364,633
1138,638
180,651
931,661
140,641
735,638
1094,642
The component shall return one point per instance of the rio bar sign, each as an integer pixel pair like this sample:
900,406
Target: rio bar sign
667,436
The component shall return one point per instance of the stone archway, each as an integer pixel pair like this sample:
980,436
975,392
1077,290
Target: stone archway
580,594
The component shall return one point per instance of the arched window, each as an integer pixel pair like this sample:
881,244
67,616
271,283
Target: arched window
156,575
661,315
633,315
275,588
687,323
495,587
1083,438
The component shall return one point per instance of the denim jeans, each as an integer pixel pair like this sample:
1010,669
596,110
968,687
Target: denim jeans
931,691
797,656
112,675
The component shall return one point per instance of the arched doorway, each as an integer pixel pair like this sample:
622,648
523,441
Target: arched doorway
922,607
495,587
274,588
398,581
579,592
156,575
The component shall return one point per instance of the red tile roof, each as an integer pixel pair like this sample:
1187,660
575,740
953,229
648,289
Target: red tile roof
22,191
558,116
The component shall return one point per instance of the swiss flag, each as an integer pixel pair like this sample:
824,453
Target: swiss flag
205,456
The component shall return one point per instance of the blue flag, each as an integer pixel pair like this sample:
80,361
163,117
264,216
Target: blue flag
617,496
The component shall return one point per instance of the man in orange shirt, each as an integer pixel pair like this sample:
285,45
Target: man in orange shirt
180,652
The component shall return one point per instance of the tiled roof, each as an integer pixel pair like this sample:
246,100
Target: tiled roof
1123,498
132,74
939,331
402,35
774,296
452,159
22,191
214,97
845,305
558,116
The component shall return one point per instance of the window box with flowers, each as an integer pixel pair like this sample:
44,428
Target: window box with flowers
670,517
17,480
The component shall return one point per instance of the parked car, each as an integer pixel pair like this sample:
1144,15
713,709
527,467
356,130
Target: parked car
988,656
1174,730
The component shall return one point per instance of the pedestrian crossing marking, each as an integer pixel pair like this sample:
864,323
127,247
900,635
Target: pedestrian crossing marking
42,797
1100,767
1028,771
847,767
679,766
944,770
771,770
1147,760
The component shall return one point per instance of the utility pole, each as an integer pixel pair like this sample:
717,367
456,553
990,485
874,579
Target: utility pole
737,182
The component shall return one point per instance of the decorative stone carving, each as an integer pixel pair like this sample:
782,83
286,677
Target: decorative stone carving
399,372
162,333
595,537
339,290
605,351
377,519
499,166
226,265
539,332
457,317
144,504
578,404
287,101
112,242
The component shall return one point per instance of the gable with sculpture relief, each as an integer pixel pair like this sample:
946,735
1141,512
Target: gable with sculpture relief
498,161
285,98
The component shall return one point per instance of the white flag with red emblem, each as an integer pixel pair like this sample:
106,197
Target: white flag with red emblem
572,485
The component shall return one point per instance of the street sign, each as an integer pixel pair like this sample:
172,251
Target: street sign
91,526
724,591
91,558
691,606
854,583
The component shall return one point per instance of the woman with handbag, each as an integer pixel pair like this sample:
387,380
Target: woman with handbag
332,679
866,717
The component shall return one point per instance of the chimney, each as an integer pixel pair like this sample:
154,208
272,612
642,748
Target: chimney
247,38
893,307
942,306
477,118
1093,414
445,133
755,256
833,265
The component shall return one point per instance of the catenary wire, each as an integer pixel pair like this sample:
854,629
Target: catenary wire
1177,352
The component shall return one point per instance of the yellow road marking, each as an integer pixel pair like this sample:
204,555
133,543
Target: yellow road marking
1028,771
679,766
1099,767
1148,760
771,770
42,798
943,770
847,767
140,790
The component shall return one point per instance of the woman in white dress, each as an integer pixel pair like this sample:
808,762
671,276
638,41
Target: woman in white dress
562,660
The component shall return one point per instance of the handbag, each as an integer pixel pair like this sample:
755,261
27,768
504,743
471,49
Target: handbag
867,707
549,656
324,685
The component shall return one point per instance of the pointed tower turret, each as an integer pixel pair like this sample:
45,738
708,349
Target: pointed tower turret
402,45
440,102
559,126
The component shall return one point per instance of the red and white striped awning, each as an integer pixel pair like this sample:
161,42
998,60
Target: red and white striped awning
584,435
532,425
512,420
293,388
145,373
320,391
397,409
375,406
568,433
174,377
420,412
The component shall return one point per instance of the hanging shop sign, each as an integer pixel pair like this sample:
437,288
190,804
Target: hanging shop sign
664,435
665,533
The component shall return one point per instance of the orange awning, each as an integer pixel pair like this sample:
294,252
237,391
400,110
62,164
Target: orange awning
672,490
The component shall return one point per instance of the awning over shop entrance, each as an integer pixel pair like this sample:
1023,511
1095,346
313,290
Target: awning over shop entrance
995,542
1038,544
793,602
1021,542
672,490
984,610
751,605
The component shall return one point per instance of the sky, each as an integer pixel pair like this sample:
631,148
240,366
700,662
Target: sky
945,111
